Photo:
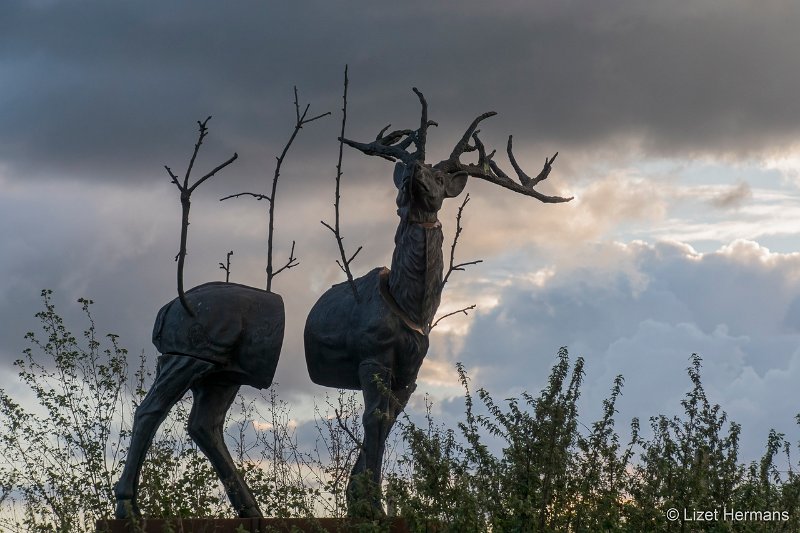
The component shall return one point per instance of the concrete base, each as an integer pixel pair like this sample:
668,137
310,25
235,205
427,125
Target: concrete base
248,525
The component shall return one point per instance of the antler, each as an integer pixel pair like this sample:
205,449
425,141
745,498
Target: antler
488,170
394,145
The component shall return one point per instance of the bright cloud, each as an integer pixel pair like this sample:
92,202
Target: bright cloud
642,315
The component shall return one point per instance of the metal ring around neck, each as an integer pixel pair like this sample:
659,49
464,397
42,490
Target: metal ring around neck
427,225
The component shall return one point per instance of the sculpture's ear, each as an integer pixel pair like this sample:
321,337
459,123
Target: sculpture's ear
399,174
456,184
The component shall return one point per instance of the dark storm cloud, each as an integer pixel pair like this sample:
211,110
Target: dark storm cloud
111,91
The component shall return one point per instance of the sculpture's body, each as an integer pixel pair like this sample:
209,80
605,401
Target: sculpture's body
384,334
373,336
233,338
213,339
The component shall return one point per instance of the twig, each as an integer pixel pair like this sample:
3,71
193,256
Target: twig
291,263
186,193
227,268
344,264
347,430
464,310
300,121
255,195
460,266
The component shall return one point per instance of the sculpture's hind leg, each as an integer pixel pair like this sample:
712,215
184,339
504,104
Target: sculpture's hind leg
206,424
174,376
363,489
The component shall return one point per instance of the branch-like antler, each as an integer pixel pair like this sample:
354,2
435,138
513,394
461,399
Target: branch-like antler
186,191
394,145
487,169
300,121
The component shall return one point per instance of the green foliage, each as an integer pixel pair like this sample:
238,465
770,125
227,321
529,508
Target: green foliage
689,463
526,464
335,449
62,458
275,468
529,486
549,475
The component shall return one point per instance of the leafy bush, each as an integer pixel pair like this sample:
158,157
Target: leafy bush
526,465
61,457
549,475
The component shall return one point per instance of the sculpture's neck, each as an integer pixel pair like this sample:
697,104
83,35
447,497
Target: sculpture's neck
415,281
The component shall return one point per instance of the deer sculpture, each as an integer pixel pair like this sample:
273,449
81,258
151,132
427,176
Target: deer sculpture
232,337
213,338
373,335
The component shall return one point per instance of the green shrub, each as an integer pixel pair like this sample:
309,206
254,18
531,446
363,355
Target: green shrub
526,465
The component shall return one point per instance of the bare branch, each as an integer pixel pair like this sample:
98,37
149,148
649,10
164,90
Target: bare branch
306,121
291,263
354,255
174,177
344,264
460,266
201,136
186,193
258,197
347,429
227,267
217,169
300,121
464,310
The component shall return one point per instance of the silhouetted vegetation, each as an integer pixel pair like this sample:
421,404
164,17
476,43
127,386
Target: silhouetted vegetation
525,464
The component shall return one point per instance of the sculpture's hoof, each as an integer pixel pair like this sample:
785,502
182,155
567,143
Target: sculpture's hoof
363,502
366,511
250,512
127,508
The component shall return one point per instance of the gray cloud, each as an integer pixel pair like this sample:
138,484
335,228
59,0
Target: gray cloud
97,97
108,92
733,197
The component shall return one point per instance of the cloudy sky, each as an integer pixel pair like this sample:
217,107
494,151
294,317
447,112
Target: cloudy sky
677,129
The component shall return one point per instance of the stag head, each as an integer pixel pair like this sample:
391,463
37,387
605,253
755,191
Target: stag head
422,190
423,187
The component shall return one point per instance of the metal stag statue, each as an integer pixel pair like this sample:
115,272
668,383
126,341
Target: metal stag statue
213,339
373,335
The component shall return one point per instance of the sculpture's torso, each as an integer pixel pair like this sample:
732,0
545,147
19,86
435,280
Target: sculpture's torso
341,333
237,327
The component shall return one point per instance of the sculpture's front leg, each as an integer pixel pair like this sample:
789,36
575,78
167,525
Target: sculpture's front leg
363,488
